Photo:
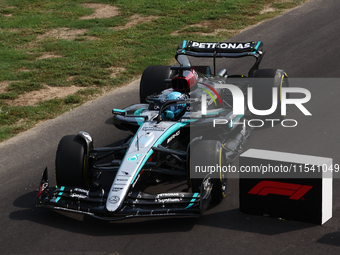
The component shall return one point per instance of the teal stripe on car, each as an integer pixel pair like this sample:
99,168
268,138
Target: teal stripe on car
183,46
170,130
257,45
140,121
189,120
161,139
60,193
118,110
192,200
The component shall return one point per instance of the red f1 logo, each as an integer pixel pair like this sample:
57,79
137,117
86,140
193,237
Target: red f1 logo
294,191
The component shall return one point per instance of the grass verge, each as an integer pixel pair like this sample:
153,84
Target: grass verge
61,43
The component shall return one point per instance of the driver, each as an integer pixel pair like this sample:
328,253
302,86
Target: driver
173,111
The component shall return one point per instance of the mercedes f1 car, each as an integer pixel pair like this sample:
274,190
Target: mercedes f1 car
153,172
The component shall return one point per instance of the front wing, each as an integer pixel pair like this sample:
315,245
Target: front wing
136,204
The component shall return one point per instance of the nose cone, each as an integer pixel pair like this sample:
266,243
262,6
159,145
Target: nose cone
145,140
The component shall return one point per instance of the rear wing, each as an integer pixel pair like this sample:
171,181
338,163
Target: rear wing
222,50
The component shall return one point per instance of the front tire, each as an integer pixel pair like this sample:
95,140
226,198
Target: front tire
70,163
207,153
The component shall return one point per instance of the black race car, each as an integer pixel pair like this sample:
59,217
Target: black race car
176,127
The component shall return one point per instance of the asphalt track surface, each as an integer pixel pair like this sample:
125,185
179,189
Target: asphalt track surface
305,43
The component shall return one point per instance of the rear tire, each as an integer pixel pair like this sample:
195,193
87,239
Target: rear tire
70,162
209,153
265,80
153,81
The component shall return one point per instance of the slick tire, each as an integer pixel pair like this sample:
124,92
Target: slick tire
262,84
70,162
208,153
153,81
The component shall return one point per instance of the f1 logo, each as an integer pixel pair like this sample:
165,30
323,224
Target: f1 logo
294,191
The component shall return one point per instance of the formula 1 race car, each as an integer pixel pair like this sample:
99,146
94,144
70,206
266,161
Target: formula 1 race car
176,127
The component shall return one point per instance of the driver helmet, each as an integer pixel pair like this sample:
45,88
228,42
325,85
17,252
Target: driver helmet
175,108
